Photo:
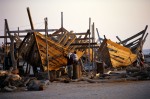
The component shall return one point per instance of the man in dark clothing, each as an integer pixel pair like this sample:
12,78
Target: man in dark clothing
69,65
141,58
75,64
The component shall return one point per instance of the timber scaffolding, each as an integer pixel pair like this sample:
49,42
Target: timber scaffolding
46,51
49,51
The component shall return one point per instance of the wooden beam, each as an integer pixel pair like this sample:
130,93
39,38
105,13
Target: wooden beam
8,36
86,47
7,28
70,42
30,19
142,32
83,43
82,38
62,37
35,30
93,40
14,61
23,43
99,38
119,39
89,44
70,34
133,42
61,19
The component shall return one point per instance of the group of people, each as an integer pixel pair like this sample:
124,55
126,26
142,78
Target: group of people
72,62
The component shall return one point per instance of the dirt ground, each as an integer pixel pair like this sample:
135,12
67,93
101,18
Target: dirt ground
85,90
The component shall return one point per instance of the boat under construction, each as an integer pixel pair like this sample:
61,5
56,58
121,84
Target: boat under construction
45,51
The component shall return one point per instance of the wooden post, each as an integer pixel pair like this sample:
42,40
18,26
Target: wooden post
62,23
92,46
99,38
32,28
18,31
89,41
30,19
4,45
61,19
6,31
14,62
17,51
5,39
104,37
100,67
46,34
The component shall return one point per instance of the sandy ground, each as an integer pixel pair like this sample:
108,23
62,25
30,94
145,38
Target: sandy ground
85,90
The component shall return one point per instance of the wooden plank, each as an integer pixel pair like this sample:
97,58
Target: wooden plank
30,19
53,43
132,43
70,42
118,46
56,33
53,52
43,54
35,30
62,19
7,28
71,34
120,42
61,39
86,47
78,39
140,33
24,43
83,43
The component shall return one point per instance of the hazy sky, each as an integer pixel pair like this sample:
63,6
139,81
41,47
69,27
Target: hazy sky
122,18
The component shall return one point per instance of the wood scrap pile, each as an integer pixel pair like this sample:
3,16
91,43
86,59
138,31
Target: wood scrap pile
10,81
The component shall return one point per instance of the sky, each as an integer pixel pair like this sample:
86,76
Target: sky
122,18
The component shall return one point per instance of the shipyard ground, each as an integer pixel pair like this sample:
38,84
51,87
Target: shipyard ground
85,90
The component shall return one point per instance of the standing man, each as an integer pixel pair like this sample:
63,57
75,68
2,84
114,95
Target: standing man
75,63
69,65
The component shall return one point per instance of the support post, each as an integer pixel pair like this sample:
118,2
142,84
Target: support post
89,42
46,34
30,19
14,62
5,39
93,40
61,19
99,38
18,31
